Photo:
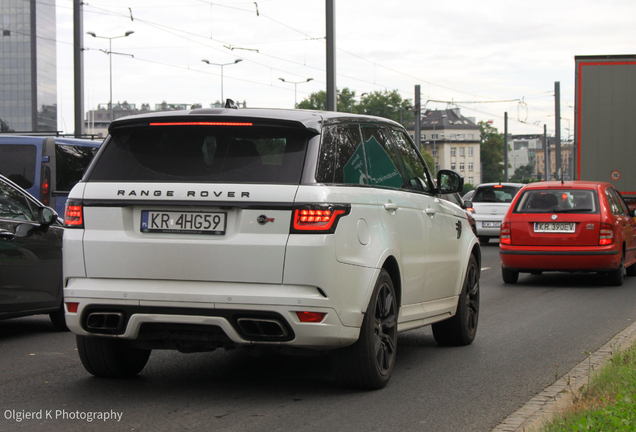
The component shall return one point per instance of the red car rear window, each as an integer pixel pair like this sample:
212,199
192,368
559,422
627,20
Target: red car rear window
555,201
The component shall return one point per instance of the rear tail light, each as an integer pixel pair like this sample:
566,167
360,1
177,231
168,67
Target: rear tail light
45,186
505,234
606,235
317,219
71,307
74,214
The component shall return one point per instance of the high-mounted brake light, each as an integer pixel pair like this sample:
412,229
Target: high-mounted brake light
73,215
498,186
318,218
201,124
505,234
606,235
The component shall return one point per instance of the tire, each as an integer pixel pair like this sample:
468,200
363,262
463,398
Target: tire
484,240
631,270
369,362
58,319
110,358
461,329
616,277
509,276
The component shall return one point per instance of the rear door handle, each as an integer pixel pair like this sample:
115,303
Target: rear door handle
430,211
390,206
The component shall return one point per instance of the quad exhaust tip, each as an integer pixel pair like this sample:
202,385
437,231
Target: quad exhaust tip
262,328
100,321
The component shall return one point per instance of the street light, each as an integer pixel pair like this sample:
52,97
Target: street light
222,64
110,58
295,83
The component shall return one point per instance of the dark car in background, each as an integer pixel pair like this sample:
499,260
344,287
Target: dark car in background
47,167
30,256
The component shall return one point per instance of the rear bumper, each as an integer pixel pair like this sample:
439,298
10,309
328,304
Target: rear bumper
128,309
592,259
486,232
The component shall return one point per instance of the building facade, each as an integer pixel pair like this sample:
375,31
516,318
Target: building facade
453,140
28,82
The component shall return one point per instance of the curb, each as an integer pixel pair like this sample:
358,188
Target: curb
552,400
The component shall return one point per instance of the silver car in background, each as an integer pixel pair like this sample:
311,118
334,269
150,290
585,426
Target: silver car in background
490,203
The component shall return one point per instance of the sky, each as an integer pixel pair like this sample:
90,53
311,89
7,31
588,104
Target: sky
487,58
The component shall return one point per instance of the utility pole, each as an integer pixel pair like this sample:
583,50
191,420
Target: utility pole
546,153
557,125
331,55
78,66
506,146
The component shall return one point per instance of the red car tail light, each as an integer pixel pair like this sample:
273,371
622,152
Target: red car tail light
317,219
314,317
73,215
505,234
606,235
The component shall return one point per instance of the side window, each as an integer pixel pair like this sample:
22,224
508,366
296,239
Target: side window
17,163
71,162
619,202
382,162
416,171
614,206
341,156
14,205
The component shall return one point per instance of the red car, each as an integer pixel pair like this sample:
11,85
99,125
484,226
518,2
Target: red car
574,226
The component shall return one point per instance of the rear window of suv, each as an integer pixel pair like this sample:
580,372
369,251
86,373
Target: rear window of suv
495,194
219,154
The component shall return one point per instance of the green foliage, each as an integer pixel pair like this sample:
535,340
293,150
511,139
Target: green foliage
522,173
387,104
467,188
491,153
608,402
430,163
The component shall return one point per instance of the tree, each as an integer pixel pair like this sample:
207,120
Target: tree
492,146
387,104
4,126
430,163
523,172
318,101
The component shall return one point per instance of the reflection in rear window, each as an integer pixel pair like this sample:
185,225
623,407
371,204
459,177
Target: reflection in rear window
555,201
17,163
220,154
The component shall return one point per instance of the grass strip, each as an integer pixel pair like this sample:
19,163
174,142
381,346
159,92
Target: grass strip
607,403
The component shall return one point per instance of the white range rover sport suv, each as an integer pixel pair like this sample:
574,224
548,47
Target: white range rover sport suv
260,228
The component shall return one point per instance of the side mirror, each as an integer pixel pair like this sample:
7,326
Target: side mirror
449,181
47,216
